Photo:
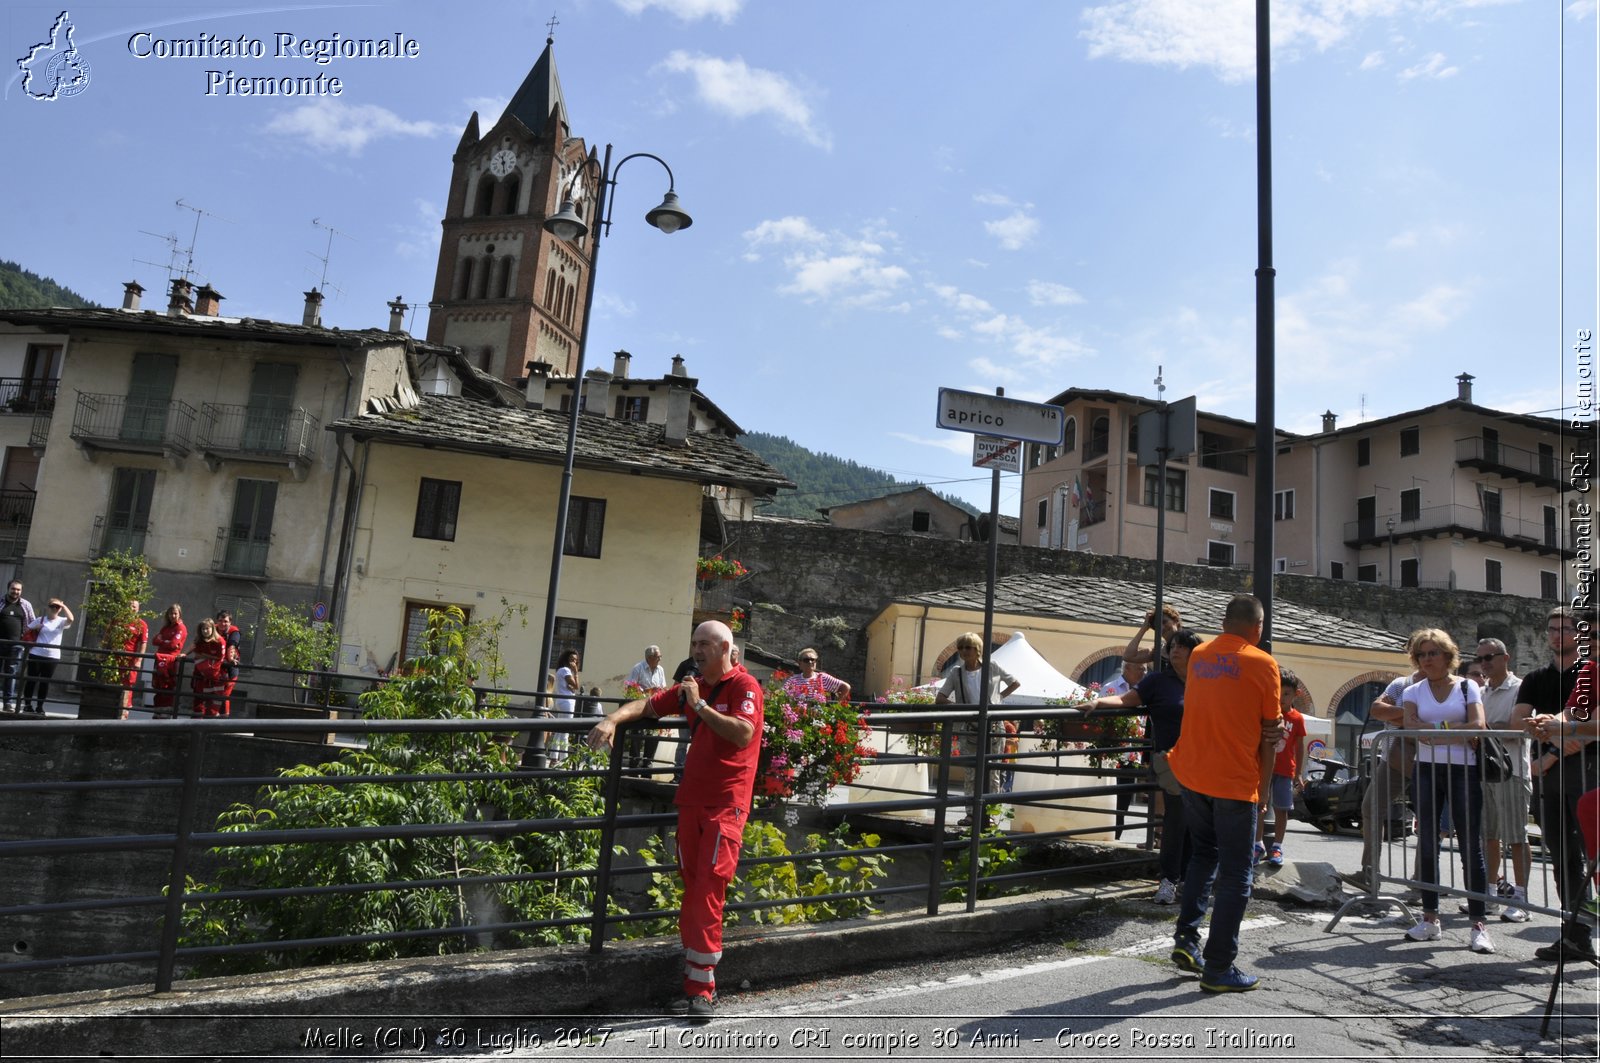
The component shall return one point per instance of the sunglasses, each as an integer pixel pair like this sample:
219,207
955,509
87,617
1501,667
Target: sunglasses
1485,658
1423,655
808,660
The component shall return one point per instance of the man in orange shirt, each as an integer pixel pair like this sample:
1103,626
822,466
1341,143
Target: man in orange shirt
1224,761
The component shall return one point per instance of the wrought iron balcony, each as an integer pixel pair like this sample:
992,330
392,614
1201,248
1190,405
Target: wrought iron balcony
253,433
237,555
112,534
16,518
1514,463
27,395
1463,522
141,426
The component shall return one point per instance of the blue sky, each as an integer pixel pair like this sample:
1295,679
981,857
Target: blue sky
891,196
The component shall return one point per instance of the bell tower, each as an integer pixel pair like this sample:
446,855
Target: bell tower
507,292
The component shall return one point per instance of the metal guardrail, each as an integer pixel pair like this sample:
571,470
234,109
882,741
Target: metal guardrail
1400,864
27,395
1455,519
118,422
1069,786
251,430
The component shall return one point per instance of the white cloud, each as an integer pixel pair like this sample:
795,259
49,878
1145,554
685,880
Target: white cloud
611,305
1433,309
1219,35
1435,66
951,441
787,230
741,91
1049,293
686,10
1014,231
489,109
1441,235
328,125
965,302
992,199
850,270
859,280
419,238
1580,9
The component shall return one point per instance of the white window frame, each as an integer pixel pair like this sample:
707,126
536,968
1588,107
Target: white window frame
1233,552
1233,504
1283,504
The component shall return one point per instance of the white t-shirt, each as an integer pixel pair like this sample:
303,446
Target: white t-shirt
49,641
566,686
1452,710
648,678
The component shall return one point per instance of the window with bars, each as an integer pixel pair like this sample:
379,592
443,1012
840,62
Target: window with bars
586,525
438,502
416,626
571,633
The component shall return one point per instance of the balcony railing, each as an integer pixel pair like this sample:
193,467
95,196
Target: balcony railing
237,555
27,395
112,534
252,432
121,422
1466,522
16,518
1524,466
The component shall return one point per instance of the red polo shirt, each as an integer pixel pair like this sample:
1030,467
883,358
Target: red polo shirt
717,773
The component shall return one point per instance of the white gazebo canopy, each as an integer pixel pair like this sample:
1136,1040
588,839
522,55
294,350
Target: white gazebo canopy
1040,681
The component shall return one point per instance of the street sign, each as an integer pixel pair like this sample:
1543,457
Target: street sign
991,453
1181,435
992,415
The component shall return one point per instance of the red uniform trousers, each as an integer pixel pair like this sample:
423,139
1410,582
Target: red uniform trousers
709,839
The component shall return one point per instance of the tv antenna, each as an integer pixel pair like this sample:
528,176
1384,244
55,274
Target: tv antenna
171,264
194,237
327,254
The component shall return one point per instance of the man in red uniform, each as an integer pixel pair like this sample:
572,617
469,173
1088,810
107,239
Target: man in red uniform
724,707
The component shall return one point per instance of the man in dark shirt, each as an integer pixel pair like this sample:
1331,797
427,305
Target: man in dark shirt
16,613
1562,773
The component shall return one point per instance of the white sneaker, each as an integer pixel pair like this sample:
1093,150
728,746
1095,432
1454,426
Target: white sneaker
1478,939
1424,931
1166,893
1512,913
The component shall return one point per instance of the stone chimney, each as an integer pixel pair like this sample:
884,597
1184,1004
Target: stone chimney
207,301
1328,419
622,365
1464,387
597,392
680,390
313,315
178,302
130,295
397,315
538,380
677,366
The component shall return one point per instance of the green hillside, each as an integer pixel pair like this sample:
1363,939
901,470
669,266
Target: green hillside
22,289
822,480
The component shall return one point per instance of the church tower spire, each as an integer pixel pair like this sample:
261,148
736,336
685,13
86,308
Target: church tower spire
506,292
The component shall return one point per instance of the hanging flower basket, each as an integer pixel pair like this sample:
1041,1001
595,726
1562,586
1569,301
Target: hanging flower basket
719,568
808,747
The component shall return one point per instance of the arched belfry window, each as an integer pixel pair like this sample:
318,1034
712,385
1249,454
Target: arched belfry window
485,204
464,279
550,290
513,187
482,278
503,285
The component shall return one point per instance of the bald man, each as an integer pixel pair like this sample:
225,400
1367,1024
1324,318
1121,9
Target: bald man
724,706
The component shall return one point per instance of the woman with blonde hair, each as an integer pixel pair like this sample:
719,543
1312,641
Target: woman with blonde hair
212,684
168,645
1445,709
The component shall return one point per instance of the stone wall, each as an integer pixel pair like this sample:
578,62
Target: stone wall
805,573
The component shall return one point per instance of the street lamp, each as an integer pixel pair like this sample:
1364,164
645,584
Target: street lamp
1389,523
566,224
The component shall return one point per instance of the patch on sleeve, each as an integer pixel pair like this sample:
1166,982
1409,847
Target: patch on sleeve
747,705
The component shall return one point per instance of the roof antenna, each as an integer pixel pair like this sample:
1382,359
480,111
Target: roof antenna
327,255
194,237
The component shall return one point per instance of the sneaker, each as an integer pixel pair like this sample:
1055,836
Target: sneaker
1275,854
1166,893
1568,947
1186,955
1257,853
1512,911
1232,980
1478,939
696,1008
1424,931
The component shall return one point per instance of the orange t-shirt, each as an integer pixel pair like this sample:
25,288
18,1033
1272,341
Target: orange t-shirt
1232,687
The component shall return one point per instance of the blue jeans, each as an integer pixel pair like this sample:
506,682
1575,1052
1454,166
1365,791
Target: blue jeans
1458,789
1223,833
14,654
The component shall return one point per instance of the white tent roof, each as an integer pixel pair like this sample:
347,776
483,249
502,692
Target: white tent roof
1040,681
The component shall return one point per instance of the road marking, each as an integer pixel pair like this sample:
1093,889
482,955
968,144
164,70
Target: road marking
1003,974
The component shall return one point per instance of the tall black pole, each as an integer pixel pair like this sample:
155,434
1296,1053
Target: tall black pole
980,785
1266,380
547,642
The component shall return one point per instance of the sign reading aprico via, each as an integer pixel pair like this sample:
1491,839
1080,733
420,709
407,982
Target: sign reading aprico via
992,415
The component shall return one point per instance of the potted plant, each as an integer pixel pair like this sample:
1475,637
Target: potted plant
117,581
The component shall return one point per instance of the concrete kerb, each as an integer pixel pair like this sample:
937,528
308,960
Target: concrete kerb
627,978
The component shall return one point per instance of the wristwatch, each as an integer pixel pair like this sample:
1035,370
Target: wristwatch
701,704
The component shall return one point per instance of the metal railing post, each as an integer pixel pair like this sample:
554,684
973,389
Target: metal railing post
177,880
942,788
608,837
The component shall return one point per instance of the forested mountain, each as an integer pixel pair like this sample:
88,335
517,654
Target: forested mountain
22,289
821,479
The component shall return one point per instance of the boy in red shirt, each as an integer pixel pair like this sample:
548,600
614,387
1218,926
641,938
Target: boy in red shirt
1288,773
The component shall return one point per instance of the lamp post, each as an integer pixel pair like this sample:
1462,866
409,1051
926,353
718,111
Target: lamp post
1389,523
566,224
